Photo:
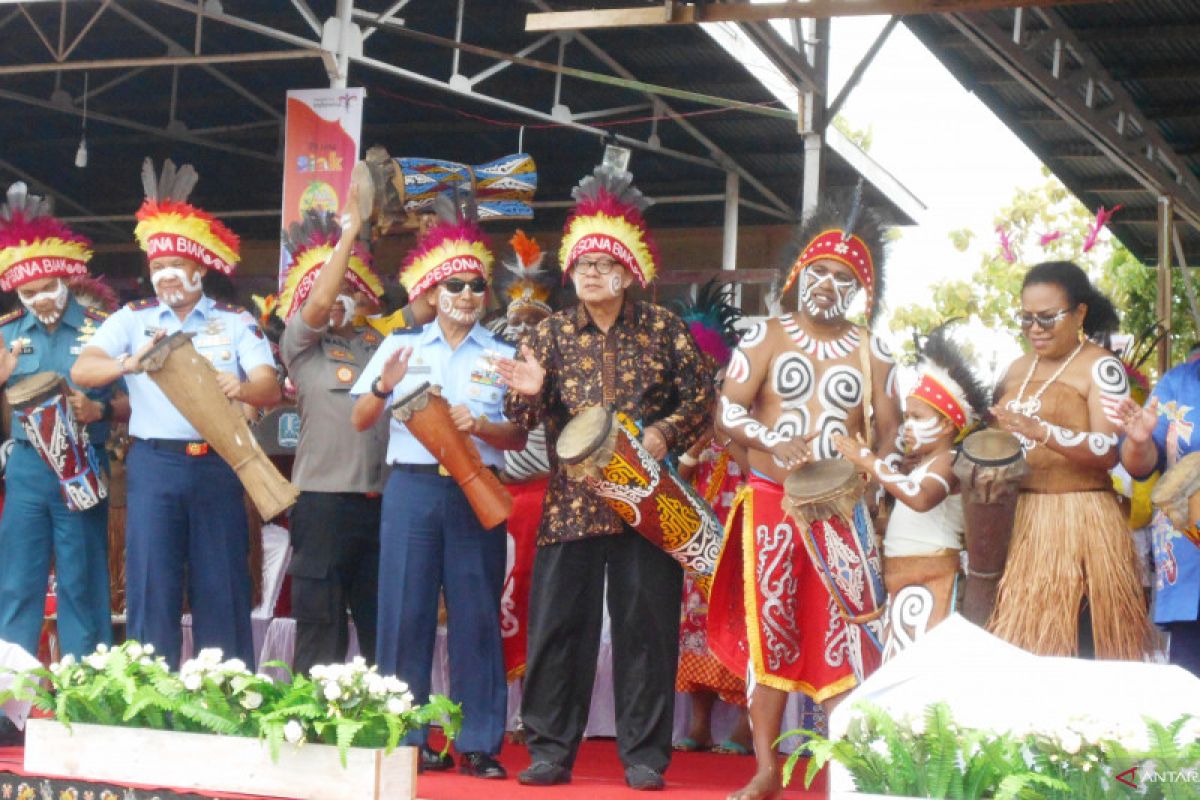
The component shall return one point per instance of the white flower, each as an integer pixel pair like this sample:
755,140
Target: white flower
917,726
134,650
97,661
102,648
55,668
1070,741
234,665
318,672
192,681
67,661
398,705
210,657
148,649
332,691
360,662
251,700
395,685
293,731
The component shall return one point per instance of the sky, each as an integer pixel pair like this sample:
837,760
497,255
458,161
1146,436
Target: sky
938,140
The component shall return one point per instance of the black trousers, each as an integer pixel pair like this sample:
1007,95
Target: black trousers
334,568
645,587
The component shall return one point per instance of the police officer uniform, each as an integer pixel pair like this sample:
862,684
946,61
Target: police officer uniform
431,540
186,520
36,520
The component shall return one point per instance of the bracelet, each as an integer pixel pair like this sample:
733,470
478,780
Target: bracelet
377,390
123,363
479,421
1046,438
688,460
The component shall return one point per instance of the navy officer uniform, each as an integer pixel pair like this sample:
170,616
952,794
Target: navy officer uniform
36,519
431,540
187,521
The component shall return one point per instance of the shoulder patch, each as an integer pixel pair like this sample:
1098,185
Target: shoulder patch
12,316
145,302
232,308
92,312
407,331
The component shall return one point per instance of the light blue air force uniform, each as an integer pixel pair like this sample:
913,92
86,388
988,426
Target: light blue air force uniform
430,540
36,520
186,519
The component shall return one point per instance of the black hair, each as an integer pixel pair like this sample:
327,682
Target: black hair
1101,317
940,349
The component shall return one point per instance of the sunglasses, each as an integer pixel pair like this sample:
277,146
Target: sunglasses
456,285
1043,321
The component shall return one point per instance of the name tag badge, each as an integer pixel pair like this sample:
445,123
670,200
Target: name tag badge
213,341
419,369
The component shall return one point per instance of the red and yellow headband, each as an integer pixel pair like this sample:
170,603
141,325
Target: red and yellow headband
32,248
604,224
937,389
175,228
447,250
834,246
307,265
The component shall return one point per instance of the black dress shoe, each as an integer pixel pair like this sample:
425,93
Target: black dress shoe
431,760
481,765
643,779
543,773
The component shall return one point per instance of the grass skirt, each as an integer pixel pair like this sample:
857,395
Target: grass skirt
1066,546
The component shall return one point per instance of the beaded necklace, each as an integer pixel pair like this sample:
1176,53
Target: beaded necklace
1033,405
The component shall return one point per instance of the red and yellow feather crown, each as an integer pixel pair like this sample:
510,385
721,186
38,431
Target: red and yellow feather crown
310,243
448,248
169,226
35,245
608,219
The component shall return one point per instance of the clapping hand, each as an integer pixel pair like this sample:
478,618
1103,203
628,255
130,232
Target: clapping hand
526,376
1138,422
394,369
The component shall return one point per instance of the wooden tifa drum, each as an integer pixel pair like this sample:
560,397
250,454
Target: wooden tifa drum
825,499
40,405
990,469
190,382
426,414
603,449
1177,495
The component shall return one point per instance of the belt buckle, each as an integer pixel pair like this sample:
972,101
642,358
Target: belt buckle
443,471
197,448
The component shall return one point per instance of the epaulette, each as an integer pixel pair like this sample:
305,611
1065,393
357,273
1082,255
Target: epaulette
408,331
144,303
98,314
232,308
12,316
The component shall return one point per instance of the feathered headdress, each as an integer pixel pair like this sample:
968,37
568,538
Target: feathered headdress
455,244
35,245
712,319
309,243
524,282
169,226
849,234
93,292
948,383
608,219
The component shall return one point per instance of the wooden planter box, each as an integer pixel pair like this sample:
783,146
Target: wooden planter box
217,763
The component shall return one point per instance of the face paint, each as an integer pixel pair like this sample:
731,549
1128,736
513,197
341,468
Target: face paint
348,307
173,297
58,296
844,292
925,431
447,307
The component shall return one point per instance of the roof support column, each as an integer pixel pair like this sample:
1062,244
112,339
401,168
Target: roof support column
729,236
344,9
812,118
1162,304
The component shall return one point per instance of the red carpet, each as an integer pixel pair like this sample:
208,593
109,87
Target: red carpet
598,775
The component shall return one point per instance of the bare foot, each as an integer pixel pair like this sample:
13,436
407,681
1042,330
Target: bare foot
763,786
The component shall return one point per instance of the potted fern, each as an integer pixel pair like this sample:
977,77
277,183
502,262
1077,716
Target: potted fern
931,756
120,714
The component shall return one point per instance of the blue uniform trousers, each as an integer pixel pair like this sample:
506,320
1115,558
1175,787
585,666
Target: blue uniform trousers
35,522
430,540
186,528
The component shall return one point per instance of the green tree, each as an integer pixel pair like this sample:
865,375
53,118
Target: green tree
991,294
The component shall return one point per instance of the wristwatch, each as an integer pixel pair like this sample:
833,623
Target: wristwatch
375,390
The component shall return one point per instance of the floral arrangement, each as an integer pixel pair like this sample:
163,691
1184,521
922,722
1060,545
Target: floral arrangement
930,755
346,705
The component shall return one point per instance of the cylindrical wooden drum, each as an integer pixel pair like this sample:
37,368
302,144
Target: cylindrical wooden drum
602,449
190,382
40,405
825,499
427,415
990,469
1177,494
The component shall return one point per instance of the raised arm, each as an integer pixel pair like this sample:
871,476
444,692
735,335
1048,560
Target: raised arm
922,489
329,280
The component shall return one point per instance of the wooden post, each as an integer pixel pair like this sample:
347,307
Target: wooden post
1162,305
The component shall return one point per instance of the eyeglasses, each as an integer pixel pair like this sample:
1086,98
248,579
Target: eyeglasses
456,285
602,266
1043,321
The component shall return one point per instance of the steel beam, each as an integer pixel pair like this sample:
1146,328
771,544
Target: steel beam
860,68
158,61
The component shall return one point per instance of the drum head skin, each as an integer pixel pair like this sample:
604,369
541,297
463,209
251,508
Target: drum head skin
414,394
818,478
991,448
34,386
583,434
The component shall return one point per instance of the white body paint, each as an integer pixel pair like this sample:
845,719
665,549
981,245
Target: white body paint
58,296
175,296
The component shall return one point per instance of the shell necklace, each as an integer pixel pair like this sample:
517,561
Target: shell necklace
1033,405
